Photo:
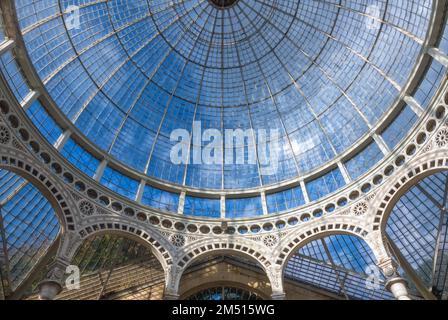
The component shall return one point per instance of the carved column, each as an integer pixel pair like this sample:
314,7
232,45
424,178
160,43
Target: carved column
378,246
172,279
274,274
394,283
53,283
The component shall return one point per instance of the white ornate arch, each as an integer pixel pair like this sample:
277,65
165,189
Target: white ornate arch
240,247
420,168
18,163
290,245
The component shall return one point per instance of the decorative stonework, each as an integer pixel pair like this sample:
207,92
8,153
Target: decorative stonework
344,212
360,208
370,196
70,242
172,278
5,136
190,238
270,240
428,148
16,144
86,208
177,240
389,267
56,270
257,238
76,196
102,211
442,138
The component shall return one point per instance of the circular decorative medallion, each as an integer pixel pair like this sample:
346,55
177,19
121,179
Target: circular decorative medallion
5,136
442,138
86,208
360,208
177,240
270,240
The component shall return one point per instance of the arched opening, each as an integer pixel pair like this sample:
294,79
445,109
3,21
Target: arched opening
416,231
224,270
335,267
115,266
29,228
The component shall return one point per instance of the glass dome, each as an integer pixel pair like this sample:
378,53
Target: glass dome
128,73
349,95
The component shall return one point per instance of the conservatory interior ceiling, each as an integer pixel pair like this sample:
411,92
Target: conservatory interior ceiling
92,91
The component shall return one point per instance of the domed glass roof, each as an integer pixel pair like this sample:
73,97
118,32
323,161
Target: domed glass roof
342,81
322,74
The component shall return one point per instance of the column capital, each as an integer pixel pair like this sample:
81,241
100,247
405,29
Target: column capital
389,267
274,274
394,282
51,286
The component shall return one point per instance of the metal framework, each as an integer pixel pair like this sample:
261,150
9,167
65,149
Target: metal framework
85,208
